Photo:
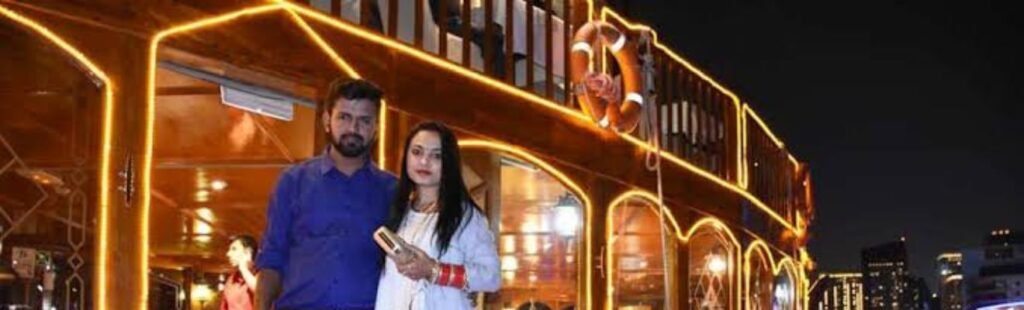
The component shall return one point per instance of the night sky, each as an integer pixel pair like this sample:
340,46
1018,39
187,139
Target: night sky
909,113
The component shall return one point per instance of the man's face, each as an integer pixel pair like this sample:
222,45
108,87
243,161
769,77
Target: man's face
351,126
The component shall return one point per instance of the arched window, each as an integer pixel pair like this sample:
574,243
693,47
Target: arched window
538,221
638,258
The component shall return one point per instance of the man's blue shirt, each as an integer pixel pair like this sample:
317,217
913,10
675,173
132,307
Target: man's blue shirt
318,235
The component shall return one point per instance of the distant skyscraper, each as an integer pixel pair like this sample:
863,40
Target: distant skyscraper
919,296
837,291
886,277
950,275
993,275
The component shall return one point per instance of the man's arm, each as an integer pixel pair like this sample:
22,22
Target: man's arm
273,254
267,288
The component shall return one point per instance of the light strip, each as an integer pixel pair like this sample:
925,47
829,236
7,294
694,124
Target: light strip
565,180
719,226
844,275
501,86
786,263
345,67
147,164
766,255
430,58
744,169
750,197
605,13
748,111
306,12
609,235
740,108
100,292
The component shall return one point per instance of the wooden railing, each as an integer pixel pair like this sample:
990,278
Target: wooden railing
696,120
773,175
530,54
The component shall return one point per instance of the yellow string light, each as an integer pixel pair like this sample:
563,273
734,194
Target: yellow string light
100,292
565,180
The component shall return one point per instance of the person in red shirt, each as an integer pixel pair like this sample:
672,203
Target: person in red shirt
240,285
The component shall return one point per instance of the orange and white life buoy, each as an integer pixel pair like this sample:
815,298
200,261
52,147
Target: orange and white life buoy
622,116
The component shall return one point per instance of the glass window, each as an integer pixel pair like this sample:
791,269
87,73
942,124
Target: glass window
711,270
50,135
538,223
638,257
761,281
783,296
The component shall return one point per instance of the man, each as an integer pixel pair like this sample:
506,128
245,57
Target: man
317,250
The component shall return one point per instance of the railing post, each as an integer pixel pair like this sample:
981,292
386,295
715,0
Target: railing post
529,46
567,32
418,23
549,76
393,18
510,69
442,27
489,35
467,34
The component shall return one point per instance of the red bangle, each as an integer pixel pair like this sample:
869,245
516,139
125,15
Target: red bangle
442,278
460,277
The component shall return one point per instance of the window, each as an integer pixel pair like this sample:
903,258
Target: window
540,225
711,268
50,117
638,257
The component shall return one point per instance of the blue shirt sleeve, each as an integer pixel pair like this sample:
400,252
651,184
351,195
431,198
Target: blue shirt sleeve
273,252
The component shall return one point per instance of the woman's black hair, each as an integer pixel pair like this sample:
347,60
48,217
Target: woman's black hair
453,201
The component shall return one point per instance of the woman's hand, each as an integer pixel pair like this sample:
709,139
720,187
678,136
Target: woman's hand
416,264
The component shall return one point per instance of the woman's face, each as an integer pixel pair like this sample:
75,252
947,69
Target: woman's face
237,253
423,162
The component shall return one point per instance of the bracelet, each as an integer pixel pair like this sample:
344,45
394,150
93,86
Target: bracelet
451,275
459,275
442,278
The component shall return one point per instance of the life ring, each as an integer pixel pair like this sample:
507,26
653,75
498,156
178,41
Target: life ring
623,116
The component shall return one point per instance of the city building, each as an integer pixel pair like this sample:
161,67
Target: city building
993,274
837,291
950,280
886,276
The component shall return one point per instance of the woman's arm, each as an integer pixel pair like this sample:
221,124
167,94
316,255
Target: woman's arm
483,269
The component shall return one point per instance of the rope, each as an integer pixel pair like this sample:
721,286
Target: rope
653,159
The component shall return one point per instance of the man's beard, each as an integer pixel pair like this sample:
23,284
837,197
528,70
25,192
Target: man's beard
349,145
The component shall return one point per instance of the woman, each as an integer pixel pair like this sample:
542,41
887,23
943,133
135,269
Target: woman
451,250
239,288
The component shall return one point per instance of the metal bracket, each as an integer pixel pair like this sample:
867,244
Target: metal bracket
127,176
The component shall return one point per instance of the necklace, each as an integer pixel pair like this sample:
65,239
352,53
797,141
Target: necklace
426,207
